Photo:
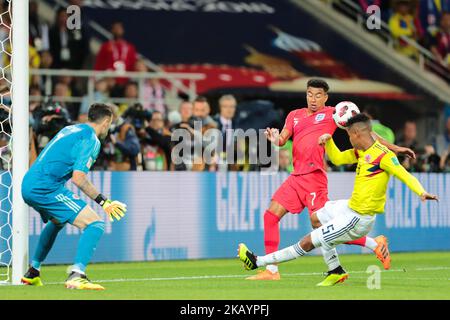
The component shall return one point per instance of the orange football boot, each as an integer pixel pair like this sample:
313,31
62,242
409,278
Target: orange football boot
382,251
265,275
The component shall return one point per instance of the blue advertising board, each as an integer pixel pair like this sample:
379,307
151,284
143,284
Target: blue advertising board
189,215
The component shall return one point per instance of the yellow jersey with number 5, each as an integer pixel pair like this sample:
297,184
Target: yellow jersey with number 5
374,167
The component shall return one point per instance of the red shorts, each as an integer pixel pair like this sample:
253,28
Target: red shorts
300,191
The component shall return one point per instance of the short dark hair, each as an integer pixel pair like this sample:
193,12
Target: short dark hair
372,111
131,83
98,111
116,22
318,83
200,99
61,10
360,117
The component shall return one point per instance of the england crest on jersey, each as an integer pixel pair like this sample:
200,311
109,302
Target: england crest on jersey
320,117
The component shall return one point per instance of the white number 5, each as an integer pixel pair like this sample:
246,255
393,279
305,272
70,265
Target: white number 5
313,197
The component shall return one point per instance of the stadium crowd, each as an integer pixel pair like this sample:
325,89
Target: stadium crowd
141,134
426,22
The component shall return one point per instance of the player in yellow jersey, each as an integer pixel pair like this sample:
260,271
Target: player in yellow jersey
345,220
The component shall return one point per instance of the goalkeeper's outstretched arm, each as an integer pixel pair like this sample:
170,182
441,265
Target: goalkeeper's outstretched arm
114,209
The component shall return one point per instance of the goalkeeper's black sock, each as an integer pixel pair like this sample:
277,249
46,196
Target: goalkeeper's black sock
338,270
32,273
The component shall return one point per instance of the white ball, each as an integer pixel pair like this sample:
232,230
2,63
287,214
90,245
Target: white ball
343,111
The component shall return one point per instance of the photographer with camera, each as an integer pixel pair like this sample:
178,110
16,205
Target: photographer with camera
198,124
122,144
49,119
156,144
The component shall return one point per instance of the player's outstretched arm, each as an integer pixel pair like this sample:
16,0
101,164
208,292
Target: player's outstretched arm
427,196
277,138
390,164
337,156
393,147
114,209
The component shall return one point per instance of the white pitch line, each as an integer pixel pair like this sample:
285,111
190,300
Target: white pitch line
243,276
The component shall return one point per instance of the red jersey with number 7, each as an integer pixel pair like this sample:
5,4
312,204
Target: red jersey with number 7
305,131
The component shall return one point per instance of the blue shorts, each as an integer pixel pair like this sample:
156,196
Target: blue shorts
62,204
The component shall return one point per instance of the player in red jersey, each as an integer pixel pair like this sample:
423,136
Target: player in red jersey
307,186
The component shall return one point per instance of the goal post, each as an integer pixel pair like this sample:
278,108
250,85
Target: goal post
20,134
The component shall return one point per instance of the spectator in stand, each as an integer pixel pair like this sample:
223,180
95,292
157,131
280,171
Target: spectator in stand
184,115
69,48
200,119
408,139
401,24
153,93
227,109
408,136
156,144
185,112
34,60
60,93
131,92
440,45
101,94
117,54
122,146
45,82
385,132
38,29
441,142
35,103
445,162
201,112
430,13
428,160
72,91
226,121
285,161
49,119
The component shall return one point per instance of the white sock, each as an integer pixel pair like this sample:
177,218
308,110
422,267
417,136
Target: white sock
331,258
272,268
371,243
286,254
71,269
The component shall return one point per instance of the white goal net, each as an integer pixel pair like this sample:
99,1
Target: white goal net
5,143
14,138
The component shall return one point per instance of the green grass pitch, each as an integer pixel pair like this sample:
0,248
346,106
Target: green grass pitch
412,276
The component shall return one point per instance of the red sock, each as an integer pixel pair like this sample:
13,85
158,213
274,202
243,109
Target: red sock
359,242
271,232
